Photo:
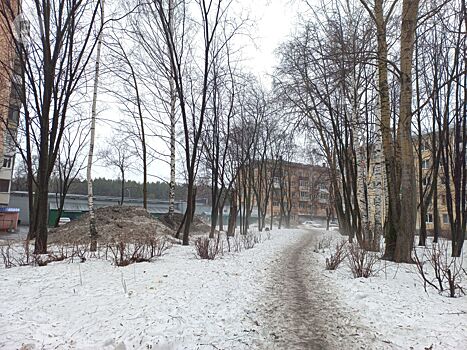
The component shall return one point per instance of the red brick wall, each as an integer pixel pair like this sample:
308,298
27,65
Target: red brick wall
7,15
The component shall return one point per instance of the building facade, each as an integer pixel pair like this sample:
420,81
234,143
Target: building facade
9,99
427,181
299,192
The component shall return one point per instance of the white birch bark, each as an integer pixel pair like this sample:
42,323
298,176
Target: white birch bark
92,216
377,182
360,144
173,97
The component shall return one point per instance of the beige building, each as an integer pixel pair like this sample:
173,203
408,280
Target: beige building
9,112
427,164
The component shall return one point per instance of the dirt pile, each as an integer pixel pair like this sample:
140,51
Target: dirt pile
112,222
198,225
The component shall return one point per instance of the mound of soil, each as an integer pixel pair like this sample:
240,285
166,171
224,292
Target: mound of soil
111,223
198,225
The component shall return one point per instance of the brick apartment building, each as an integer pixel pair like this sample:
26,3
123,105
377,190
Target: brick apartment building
9,101
309,189
427,173
9,110
301,188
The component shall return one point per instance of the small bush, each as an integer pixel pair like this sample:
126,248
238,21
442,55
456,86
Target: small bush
14,255
323,244
207,248
234,243
124,253
447,272
336,258
361,262
249,240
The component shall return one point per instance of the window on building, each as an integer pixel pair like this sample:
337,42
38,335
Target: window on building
322,187
425,164
445,219
4,185
275,203
13,115
429,218
304,195
323,196
443,199
7,161
302,205
10,145
303,183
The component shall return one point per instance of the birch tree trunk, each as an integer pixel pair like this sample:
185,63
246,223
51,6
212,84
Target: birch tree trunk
392,222
359,144
92,215
378,185
173,100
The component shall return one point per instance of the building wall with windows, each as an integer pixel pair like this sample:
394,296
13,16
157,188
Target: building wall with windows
9,110
427,179
308,187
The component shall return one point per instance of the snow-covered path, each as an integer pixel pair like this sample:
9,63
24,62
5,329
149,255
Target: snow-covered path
300,308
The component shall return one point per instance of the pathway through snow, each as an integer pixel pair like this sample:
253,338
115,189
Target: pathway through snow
300,306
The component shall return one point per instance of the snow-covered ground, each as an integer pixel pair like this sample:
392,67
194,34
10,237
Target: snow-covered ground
181,302
395,305
175,302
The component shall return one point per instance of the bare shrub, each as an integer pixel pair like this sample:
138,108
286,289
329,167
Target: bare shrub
361,262
446,272
234,243
258,238
45,259
323,244
14,255
207,248
337,257
79,250
249,240
124,253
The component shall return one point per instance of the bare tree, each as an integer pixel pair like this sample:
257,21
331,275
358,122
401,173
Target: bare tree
192,97
92,214
122,66
70,161
52,65
118,154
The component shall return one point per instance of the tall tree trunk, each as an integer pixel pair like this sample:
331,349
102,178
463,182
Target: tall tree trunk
122,194
408,213
421,142
392,220
143,139
173,100
378,185
42,200
221,217
92,215
233,214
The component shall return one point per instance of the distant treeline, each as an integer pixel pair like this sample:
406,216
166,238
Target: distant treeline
107,187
